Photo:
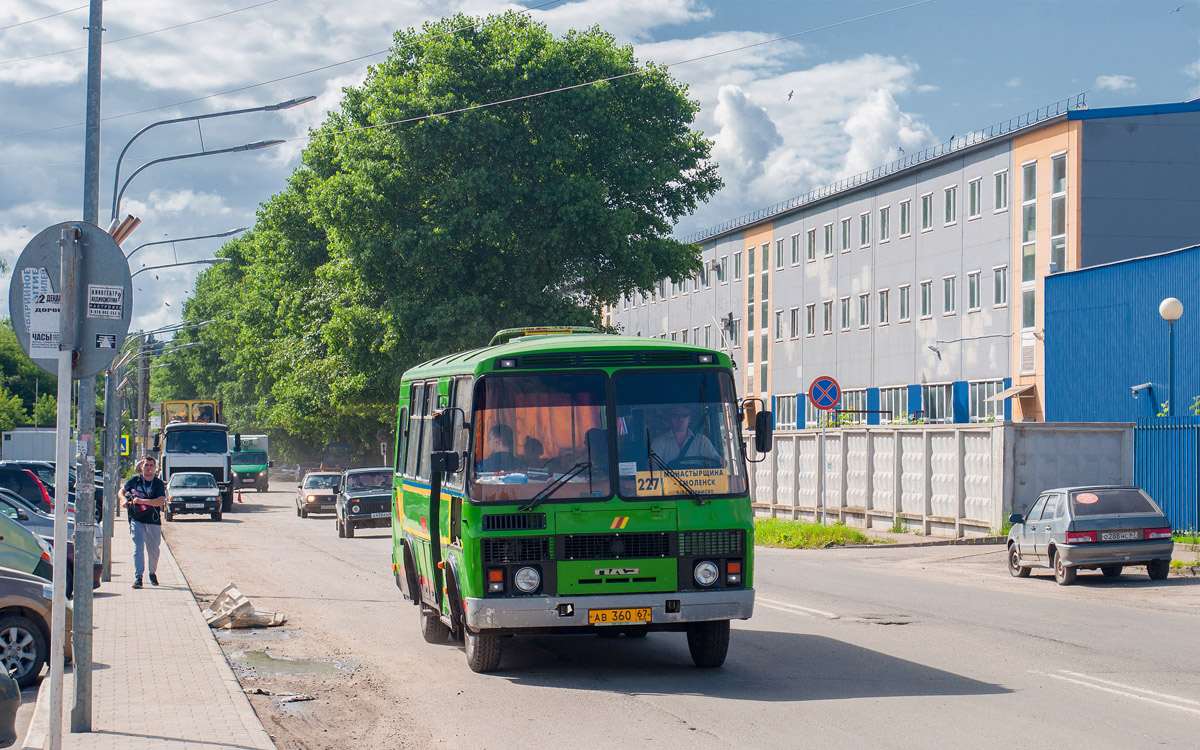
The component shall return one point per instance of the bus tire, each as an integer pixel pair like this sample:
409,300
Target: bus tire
432,628
708,642
483,651
227,501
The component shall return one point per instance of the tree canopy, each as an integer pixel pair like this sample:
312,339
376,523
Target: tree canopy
441,202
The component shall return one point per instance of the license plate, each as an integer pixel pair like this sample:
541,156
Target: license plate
618,616
1119,536
193,506
380,515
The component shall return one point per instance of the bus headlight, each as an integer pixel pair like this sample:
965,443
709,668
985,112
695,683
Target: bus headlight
706,573
527,580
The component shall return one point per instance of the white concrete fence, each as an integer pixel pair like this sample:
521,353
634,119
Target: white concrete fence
943,480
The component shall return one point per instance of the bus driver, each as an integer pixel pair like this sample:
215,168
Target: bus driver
680,446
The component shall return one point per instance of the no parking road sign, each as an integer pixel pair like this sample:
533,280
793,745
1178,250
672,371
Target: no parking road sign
824,393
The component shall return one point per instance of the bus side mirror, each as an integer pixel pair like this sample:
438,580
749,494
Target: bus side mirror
444,461
763,431
237,443
156,443
442,431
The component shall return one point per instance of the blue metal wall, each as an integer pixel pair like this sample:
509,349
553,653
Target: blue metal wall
1104,336
1167,465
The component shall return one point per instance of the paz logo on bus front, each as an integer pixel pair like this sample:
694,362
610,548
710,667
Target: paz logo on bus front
617,571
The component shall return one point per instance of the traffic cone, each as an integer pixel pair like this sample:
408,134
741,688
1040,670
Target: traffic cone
239,496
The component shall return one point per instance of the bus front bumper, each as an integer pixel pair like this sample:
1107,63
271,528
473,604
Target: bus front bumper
567,611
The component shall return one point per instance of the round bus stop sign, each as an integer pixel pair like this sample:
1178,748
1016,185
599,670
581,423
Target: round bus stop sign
104,299
824,393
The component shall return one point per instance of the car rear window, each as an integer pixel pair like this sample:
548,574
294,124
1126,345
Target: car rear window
1111,502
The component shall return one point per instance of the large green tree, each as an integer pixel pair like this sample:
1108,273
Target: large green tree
445,199
18,372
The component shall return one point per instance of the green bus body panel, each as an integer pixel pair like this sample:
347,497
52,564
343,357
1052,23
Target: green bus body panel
593,520
572,576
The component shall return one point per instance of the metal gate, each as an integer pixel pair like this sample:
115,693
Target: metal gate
1167,465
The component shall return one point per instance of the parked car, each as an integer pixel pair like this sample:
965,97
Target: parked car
26,484
43,527
364,500
318,492
193,492
44,471
1083,528
25,602
21,549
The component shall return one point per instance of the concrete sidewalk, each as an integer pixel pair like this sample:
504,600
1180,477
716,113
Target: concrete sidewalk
159,678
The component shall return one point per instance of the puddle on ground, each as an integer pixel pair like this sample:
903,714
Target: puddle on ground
273,634
261,662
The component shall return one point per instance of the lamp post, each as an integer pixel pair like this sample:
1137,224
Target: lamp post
1171,310
202,261
186,239
265,108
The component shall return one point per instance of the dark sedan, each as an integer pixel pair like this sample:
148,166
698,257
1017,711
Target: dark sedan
1085,528
364,500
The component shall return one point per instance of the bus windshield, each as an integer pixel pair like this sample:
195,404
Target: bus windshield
197,441
677,427
540,434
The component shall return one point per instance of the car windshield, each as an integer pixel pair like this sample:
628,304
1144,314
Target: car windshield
322,481
368,480
685,422
193,480
540,434
250,457
197,441
1108,502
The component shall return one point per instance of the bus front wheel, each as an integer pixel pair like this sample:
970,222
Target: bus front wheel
432,628
483,650
708,642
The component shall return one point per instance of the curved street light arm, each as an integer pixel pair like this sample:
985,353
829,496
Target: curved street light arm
186,239
204,261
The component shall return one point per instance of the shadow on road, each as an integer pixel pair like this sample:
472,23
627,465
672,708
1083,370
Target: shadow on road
762,666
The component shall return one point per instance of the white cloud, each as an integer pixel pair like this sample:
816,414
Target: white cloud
1013,83
746,135
627,20
1115,83
876,128
1193,71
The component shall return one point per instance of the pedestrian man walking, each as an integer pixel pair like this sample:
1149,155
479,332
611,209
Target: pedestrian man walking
145,495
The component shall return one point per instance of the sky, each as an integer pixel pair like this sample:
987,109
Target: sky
828,90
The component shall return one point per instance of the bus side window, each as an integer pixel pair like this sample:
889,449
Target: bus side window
416,405
401,441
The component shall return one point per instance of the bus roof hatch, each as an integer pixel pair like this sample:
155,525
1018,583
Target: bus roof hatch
508,334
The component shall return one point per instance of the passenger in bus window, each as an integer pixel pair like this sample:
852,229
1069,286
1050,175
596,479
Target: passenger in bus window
531,452
680,447
499,451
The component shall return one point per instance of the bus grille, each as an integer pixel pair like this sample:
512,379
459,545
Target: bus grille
501,551
604,359
710,543
514,521
615,546
668,358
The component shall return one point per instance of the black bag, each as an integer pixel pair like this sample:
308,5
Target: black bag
143,513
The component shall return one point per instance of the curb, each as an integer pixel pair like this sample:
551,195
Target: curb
970,540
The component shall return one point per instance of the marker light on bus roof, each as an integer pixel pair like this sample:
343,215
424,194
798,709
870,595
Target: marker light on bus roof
507,363
704,359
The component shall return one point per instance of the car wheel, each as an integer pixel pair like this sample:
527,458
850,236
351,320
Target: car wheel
708,642
483,651
23,647
341,529
1015,568
1158,569
216,515
433,630
168,516
349,529
1112,571
303,513
297,510
1063,575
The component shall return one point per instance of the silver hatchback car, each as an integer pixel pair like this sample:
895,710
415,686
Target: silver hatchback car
1079,528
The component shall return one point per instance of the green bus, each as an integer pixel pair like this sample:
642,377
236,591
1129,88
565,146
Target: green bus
561,480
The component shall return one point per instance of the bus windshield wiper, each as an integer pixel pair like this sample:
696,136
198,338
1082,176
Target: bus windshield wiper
558,483
655,458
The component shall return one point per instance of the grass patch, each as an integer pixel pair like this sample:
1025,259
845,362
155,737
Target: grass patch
776,532
1190,537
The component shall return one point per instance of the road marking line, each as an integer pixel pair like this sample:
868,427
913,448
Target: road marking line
1126,693
793,608
1131,687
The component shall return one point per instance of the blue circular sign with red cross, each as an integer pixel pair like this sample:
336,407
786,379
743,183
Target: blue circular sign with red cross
824,393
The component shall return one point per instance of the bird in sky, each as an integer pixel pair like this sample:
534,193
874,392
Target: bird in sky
1181,7
790,94
900,149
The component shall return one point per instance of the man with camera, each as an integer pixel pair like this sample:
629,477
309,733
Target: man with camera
144,495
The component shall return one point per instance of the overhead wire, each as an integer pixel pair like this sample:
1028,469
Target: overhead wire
43,18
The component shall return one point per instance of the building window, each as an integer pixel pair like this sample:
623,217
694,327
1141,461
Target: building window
827,305
812,244
1000,286
795,249
905,218
723,270
785,412
864,310
1029,182
1000,202
926,212
883,307
845,313
949,295
904,302
982,410
895,401
750,260
845,235
973,292
1028,258
926,299
674,336
708,337
696,335
853,404
737,266
779,325
975,198
937,403
1028,312
778,254
828,240
864,229
662,289
810,313
1058,212
674,288
684,334
750,354
794,328
735,333
951,205
885,230
1029,222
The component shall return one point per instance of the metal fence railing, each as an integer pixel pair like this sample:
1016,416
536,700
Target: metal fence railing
1167,465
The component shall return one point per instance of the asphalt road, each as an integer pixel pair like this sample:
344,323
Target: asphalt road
929,647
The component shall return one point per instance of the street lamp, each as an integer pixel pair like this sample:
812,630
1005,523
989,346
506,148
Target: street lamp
266,108
186,239
1171,310
203,261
